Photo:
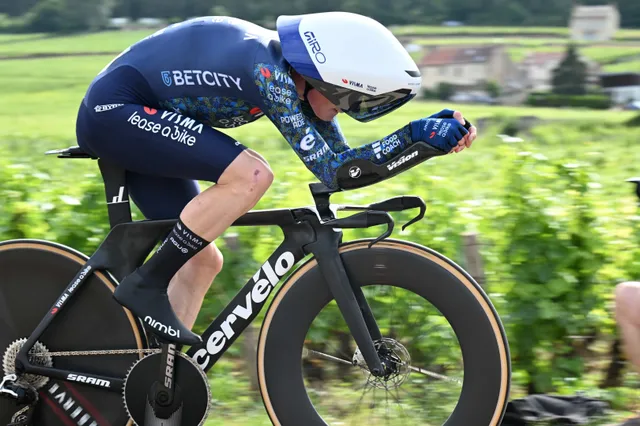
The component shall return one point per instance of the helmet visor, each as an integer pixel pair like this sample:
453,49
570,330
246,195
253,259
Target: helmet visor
362,106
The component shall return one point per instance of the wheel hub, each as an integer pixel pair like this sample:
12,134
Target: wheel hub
396,362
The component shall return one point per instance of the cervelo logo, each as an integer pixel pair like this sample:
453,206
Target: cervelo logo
175,133
168,371
315,47
89,380
386,145
109,107
259,292
66,402
83,274
402,160
157,325
199,78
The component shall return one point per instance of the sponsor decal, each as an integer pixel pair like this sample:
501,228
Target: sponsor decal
266,73
318,154
232,122
261,289
70,406
310,37
373,89
179,132
200,78
89,380
168,372
353,83
53,311
60,301
255,111
108,107
355,172
283,77
402,160
279,94
296,120
386,145
157,325
308,141
150,111
83,274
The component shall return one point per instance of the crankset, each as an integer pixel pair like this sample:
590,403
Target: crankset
167,389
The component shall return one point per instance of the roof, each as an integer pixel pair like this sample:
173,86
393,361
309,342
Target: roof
457,55
621,79
540,58
593,11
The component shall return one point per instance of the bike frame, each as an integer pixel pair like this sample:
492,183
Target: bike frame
308,230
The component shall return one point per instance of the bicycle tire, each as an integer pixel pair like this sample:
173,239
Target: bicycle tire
447,286
92,320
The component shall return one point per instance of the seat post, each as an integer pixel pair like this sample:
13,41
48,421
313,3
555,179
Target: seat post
118,205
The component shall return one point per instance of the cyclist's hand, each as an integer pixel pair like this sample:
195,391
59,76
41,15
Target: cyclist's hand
468,138
446,134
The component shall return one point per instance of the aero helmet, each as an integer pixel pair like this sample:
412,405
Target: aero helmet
352,60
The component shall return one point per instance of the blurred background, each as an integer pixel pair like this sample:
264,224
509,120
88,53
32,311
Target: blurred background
537,210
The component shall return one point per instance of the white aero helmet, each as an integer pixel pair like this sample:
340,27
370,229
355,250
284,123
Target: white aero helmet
354,61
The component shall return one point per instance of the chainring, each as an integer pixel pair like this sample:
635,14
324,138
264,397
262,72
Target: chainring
190,382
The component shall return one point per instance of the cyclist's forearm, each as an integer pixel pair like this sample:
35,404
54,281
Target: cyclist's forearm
380,151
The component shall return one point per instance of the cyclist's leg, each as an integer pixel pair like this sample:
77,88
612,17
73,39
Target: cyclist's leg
156,142
627,309
165,198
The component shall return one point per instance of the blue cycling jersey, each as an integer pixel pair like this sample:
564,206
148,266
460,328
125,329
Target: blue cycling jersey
224,72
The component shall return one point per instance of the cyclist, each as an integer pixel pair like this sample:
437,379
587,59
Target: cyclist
154,108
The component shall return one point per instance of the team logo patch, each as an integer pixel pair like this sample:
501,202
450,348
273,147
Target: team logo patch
166,78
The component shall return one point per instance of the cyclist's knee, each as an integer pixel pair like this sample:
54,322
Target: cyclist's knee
249,176
627,302
210,258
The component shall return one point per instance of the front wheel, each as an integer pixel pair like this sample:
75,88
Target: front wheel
442,338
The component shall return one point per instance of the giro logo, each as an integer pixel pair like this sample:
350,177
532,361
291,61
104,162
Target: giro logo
355,172
157,325
261,289
315,47
402,160
89,380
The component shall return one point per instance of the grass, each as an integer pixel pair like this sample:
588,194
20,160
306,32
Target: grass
631,66
435,30
107,41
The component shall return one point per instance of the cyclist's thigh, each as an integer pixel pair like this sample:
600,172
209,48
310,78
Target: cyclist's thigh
160,197
156,142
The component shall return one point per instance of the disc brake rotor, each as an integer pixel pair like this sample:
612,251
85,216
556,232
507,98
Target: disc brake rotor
396,360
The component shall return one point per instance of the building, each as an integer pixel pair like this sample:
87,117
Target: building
623,87
594,23
469,67
538,68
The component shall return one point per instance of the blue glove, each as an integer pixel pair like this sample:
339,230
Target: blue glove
445,113
441,133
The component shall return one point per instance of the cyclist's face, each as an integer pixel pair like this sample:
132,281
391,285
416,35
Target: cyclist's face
322,107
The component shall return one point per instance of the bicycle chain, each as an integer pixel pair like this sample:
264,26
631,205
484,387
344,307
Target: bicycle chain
99,352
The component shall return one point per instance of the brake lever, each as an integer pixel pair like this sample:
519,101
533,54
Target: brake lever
365,219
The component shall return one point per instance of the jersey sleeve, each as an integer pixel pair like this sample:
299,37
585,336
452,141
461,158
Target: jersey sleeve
302,130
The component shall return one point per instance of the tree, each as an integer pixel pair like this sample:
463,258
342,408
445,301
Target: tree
444,91
570,77
493,89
